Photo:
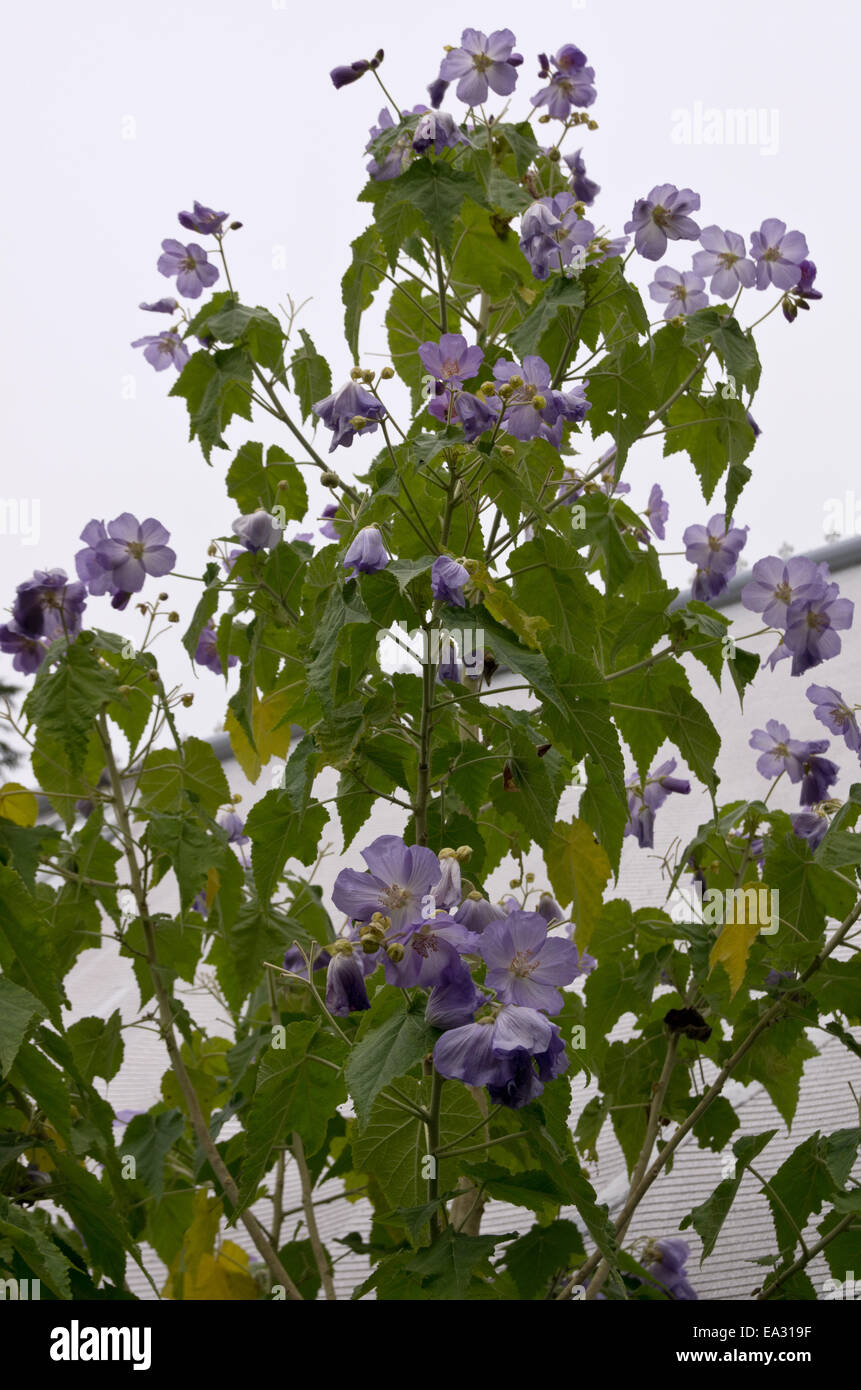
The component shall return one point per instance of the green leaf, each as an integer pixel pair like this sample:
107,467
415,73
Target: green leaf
65,700
96,1214
438,192
195,772
298,1090
448,1267
17,1009
149,1139
97,1045
257,329
26,953
216,386
253,484
579,872
386,1050
278,833
715,434
708,1218
361,282
736,348
26,1235
312,378
544,1252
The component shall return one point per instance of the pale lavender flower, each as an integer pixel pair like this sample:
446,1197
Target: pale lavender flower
27,652
714,549
657,511
191,266
346,992
367,553
448,579
778,255
571,84
450,360
645,798
778,752
482,63
811,628
163,350
400,878
132,550
662,215
349,411
777,583
683,292
258,530
724,259
832,710
583,188
48,605
206,652
524,964
203,220
161,306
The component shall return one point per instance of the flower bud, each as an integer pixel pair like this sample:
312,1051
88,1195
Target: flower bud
152,676
539,402
506,450
356,373
173,617
514,883
212,549
395,952
125,690
463,853
358,422
580,209
530,878
487,388
236,798
543,120
592,125
234,226
162,598
446,853
387,373
329,479
370,943
553,155
368,377
515,382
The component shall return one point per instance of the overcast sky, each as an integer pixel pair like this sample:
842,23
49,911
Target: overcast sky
117,115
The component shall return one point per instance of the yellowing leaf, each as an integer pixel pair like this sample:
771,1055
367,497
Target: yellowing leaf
271,742
213,883
501,606
736,937
579,872
18,805
222,1277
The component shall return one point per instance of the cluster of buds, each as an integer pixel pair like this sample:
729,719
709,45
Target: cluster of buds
373,936
462,854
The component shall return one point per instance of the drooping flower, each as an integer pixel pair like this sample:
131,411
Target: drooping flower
348,72
161,306
206,652
502,1052
778,255
448,579
27,653
191,266
438,131
778,752
328,528
258,530
661,215
163,350
454,1003
476,413
683,292
451,360
346,992
645,798
571,84
531,407
436,91
48,605
799,295
400,151
583,188
482,63
524,964
832,711
810,826
817,773
295,962
203,220
657,511
349,411
130,550
552,234
811,628
475,912
367,553
448,892
777,583
398,885
725,260
449,666
667,1268
714,549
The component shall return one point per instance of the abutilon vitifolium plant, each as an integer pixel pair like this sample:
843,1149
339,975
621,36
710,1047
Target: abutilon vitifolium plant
410,1034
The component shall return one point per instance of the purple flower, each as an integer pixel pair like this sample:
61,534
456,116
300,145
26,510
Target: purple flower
234,825
350,72
475,912
809,826
657,511
811,628
367,553
258,530
349,411
130,551
584,190
552,233
447,580
346,992
190,264
714,549
163,350
662,215
295,962
206,653
449,667
481,64
437,130
644,799
778,255
432,953
93,569
531,407
205,221
502,1053
161,306
570,85
801,292
452,1004
401,878
476,414
832,711
28,653
668,1269
398,154
778,583
450,360
328,528
754,426
47,606
818,774
779,753
524,965
683,292
436,91
725,260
